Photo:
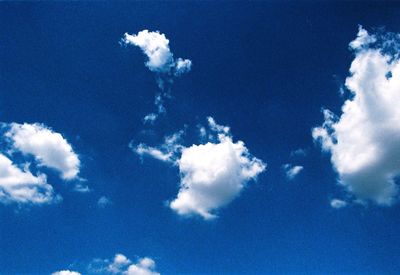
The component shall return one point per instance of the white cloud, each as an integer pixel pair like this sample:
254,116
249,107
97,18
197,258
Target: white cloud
155,46
182,66
143,149
103,202
292,171
159,102
202,132
120,264
364,141
144,266
212,174
49,148
219,129
81,188
337,204
150,118
66,272
363,39
21,186
166,152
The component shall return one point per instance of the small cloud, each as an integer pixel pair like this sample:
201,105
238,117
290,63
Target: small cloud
81,188
150,118
337,204
103,202
363,39
182,66
298,153
121,265
292,171
166,152
65,272
202,132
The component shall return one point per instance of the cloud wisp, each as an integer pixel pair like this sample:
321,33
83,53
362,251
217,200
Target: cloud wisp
338,203
161,61
212,174
291,171
103,202
364,141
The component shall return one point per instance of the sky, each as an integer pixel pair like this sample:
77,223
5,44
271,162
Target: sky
146,138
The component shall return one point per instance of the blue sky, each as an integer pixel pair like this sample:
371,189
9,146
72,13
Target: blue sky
87,185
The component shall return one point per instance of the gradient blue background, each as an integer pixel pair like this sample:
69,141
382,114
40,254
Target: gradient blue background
264,69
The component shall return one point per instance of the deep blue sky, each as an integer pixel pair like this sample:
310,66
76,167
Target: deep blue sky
264,69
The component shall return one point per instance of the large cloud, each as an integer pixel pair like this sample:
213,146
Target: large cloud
212,174
364,141
21,186
161,60
48,147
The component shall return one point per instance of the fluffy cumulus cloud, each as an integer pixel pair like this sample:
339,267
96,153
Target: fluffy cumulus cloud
292,171
49,148
156,47
120,264
17,183
21,186
66,272
182,66
144,266
212,174
161,61
364,141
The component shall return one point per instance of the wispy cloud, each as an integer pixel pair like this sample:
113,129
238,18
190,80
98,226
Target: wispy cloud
337,203
161,61
299,153
291,171
103,202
